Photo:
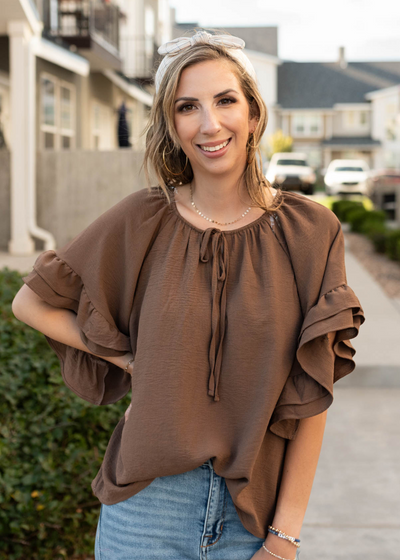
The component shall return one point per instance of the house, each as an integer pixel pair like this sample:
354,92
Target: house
327,108
67,72
385,125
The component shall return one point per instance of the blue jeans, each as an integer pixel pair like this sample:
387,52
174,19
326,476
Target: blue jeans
188,516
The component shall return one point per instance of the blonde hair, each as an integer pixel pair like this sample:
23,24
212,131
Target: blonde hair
163,151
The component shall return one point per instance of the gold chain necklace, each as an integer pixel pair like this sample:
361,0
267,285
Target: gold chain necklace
209,219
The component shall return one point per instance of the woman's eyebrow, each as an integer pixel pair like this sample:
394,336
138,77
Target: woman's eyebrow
215,96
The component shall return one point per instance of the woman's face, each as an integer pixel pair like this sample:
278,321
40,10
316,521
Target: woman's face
212,121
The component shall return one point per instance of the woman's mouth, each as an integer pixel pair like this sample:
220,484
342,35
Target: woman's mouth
215,151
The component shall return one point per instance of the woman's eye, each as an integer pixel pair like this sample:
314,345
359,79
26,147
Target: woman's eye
228,99
189,106
183,108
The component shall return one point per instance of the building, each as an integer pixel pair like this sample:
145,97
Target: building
327,108
75,80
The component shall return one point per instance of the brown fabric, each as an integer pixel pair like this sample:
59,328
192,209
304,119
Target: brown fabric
236,336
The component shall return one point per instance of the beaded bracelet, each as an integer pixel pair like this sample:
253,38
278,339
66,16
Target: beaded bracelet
283,535
273,554
127,365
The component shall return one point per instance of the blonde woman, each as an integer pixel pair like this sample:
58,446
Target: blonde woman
224,305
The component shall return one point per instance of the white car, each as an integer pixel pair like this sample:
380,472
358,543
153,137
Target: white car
348,176
290,171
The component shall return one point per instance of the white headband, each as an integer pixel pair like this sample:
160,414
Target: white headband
172,48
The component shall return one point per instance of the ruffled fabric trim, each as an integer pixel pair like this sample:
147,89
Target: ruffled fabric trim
323,356
90,377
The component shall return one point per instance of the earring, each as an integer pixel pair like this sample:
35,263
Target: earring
169,171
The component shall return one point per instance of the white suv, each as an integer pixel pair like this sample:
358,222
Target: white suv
290,171
348,176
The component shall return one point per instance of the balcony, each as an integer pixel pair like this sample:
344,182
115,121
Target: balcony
90,27
140,57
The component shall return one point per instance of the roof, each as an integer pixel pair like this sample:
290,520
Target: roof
262,39
306,85
351,141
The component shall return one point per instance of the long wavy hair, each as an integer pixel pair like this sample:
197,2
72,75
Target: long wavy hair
163,151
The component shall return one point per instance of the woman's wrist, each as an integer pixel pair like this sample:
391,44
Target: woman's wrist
128,363
279,546
122,361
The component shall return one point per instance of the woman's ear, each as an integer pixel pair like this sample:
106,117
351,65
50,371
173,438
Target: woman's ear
253,124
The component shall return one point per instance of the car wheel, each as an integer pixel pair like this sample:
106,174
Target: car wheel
309,190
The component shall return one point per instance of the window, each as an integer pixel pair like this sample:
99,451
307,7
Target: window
57,113
307,124
363,118
355,119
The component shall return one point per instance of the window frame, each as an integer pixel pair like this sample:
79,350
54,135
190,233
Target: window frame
307,124
56,129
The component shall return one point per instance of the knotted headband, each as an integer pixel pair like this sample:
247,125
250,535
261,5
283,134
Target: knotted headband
174,47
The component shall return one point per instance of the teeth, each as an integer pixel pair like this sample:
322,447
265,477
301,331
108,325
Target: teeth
214,148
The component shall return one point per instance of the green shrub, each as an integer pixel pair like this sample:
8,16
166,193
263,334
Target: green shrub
356,217
342,207
51,446
373,220
378,239
392,244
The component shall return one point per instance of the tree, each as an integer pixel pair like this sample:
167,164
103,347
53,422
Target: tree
278,142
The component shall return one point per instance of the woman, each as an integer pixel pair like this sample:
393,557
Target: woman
227,302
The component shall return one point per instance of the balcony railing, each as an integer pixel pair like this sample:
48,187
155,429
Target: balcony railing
139,55
76,21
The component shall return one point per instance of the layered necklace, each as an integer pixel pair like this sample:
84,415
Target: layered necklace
209,219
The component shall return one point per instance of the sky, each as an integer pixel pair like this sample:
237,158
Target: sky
309,30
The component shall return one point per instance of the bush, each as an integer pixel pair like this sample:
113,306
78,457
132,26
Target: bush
392,244
51,447
374,220
356,217
342,207
378,239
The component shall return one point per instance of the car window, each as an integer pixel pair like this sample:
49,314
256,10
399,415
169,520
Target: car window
291,162
342,168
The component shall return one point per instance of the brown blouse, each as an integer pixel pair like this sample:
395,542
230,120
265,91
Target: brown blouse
236,336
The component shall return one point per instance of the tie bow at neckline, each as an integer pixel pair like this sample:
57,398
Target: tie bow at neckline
219,276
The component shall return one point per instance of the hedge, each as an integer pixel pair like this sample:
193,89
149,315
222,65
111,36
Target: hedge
51,446
371,223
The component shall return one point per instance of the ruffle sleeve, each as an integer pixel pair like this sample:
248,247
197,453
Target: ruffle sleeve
95,275
324,353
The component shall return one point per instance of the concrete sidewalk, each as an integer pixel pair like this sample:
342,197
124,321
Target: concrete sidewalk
354,509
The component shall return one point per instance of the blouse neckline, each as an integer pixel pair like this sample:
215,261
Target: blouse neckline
231,231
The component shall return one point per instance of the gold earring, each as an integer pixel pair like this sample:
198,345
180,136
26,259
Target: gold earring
169,171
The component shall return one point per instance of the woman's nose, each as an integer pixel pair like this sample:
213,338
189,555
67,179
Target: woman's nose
210,123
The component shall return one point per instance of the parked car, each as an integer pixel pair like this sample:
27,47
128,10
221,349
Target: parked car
348,176
290,171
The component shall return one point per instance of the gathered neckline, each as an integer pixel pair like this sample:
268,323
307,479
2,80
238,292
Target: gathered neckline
230,231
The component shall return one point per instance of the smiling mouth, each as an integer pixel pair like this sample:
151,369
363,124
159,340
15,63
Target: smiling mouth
214,148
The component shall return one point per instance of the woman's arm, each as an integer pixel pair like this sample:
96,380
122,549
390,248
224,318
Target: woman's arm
58,324
300,464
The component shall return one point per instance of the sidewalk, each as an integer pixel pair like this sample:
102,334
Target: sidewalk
354,509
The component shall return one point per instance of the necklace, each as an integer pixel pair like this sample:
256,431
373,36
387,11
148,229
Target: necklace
209,219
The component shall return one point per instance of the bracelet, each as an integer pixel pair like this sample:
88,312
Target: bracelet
273,554
127,365
283,535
